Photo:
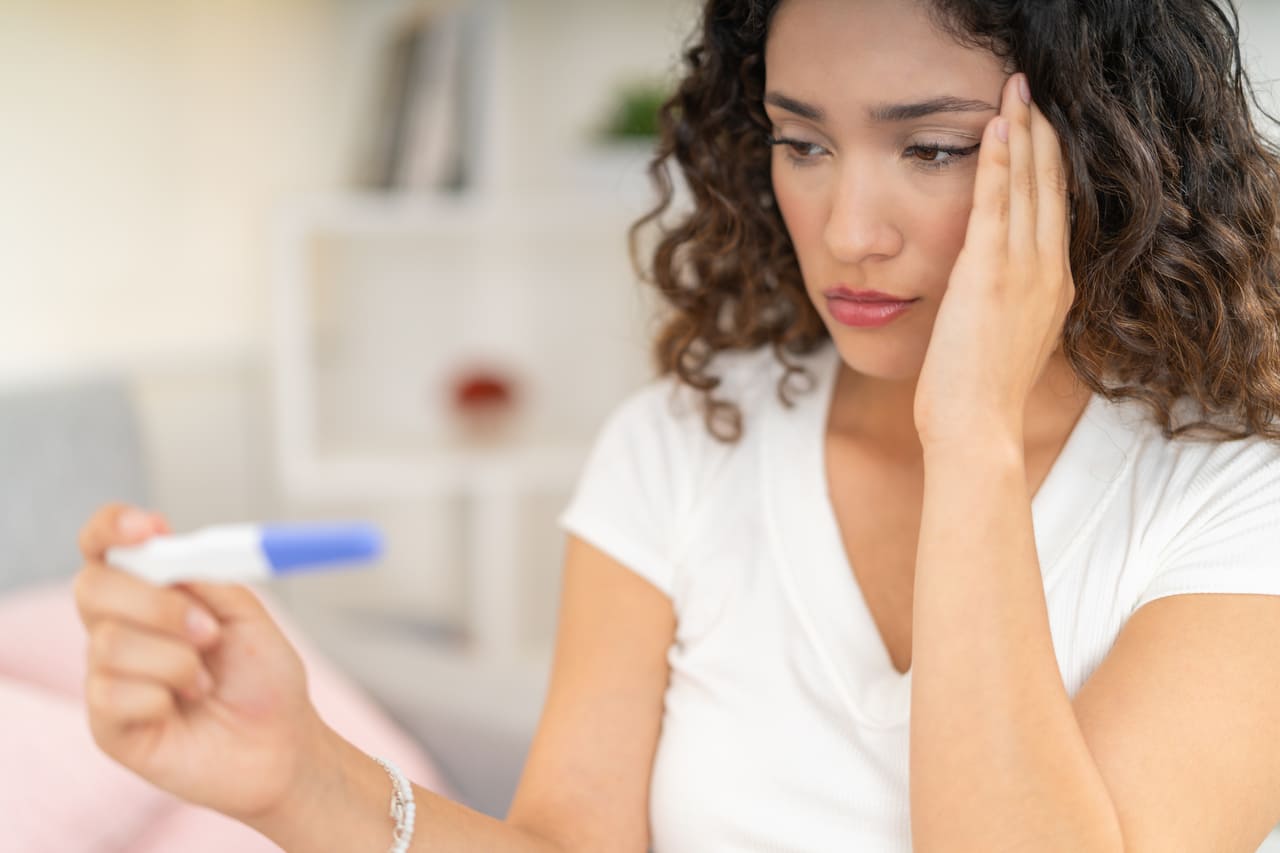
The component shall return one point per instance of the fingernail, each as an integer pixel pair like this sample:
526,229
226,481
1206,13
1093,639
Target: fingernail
201,626
133,522
1024,89
1002,129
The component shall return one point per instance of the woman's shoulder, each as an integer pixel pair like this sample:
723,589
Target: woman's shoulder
1192,448
664,421
749,379
1194,473
1202,514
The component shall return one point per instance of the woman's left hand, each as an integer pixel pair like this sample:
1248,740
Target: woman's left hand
1009,291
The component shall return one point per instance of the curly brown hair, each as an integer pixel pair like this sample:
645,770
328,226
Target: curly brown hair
1175,249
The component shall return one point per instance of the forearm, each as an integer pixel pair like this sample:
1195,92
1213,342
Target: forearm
998,761
345,807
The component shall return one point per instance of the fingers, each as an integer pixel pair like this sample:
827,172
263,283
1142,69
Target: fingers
1023,190
228,602
104,593
137,677
118,524
143,649
1021,186
1052,212
989,218
120,653
114,703
1038,182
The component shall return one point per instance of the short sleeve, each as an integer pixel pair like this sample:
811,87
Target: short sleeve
1228,540
629,496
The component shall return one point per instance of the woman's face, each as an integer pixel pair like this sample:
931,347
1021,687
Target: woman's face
881,114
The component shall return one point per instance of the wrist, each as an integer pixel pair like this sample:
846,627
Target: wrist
338,798
991,441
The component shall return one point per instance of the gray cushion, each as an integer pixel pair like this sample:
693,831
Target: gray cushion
66,448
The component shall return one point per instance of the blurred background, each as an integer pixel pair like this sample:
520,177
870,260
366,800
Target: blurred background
322,259
310,259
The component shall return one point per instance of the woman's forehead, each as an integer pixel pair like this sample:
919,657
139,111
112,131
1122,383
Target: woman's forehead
843,51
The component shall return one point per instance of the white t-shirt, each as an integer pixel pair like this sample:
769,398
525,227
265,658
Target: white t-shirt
785,725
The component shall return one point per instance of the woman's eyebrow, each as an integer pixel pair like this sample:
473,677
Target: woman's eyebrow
884,113
792,105
940,104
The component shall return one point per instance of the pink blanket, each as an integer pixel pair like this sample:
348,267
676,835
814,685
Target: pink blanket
59,792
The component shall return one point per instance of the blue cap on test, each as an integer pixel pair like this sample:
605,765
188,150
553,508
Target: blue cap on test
292,546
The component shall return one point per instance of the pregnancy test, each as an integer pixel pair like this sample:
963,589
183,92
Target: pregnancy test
244,553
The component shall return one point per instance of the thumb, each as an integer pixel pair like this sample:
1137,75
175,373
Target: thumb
228,602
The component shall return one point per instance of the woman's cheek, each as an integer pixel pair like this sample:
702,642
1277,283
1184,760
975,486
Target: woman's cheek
782,196
950,223
801,214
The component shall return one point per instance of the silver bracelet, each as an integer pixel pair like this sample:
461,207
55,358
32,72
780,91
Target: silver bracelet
402,807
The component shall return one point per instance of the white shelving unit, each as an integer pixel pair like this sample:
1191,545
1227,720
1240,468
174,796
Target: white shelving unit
515,276
378,299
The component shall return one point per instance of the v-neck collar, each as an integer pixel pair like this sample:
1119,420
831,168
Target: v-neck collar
815,570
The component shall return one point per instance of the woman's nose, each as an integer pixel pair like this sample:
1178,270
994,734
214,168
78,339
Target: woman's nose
861,222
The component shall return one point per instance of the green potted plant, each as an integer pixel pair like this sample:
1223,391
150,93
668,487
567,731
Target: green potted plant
634,115
621,144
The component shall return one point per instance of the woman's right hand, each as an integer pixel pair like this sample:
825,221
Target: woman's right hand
192,686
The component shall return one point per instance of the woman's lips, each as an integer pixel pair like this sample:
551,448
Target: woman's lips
865,308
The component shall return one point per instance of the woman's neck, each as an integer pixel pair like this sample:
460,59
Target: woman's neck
879,411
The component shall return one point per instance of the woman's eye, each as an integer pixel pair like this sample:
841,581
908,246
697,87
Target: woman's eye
928,156
799,152
805,149
938,156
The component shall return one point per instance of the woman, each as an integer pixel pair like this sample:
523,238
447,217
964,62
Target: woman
943,593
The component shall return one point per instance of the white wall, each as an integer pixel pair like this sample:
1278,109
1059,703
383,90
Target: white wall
146,144
1260,47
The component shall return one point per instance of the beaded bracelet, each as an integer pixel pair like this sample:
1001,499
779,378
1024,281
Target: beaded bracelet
402,807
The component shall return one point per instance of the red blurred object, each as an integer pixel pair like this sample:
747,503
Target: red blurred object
484,405
480,389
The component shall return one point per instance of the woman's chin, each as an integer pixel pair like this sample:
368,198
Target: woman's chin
882,361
